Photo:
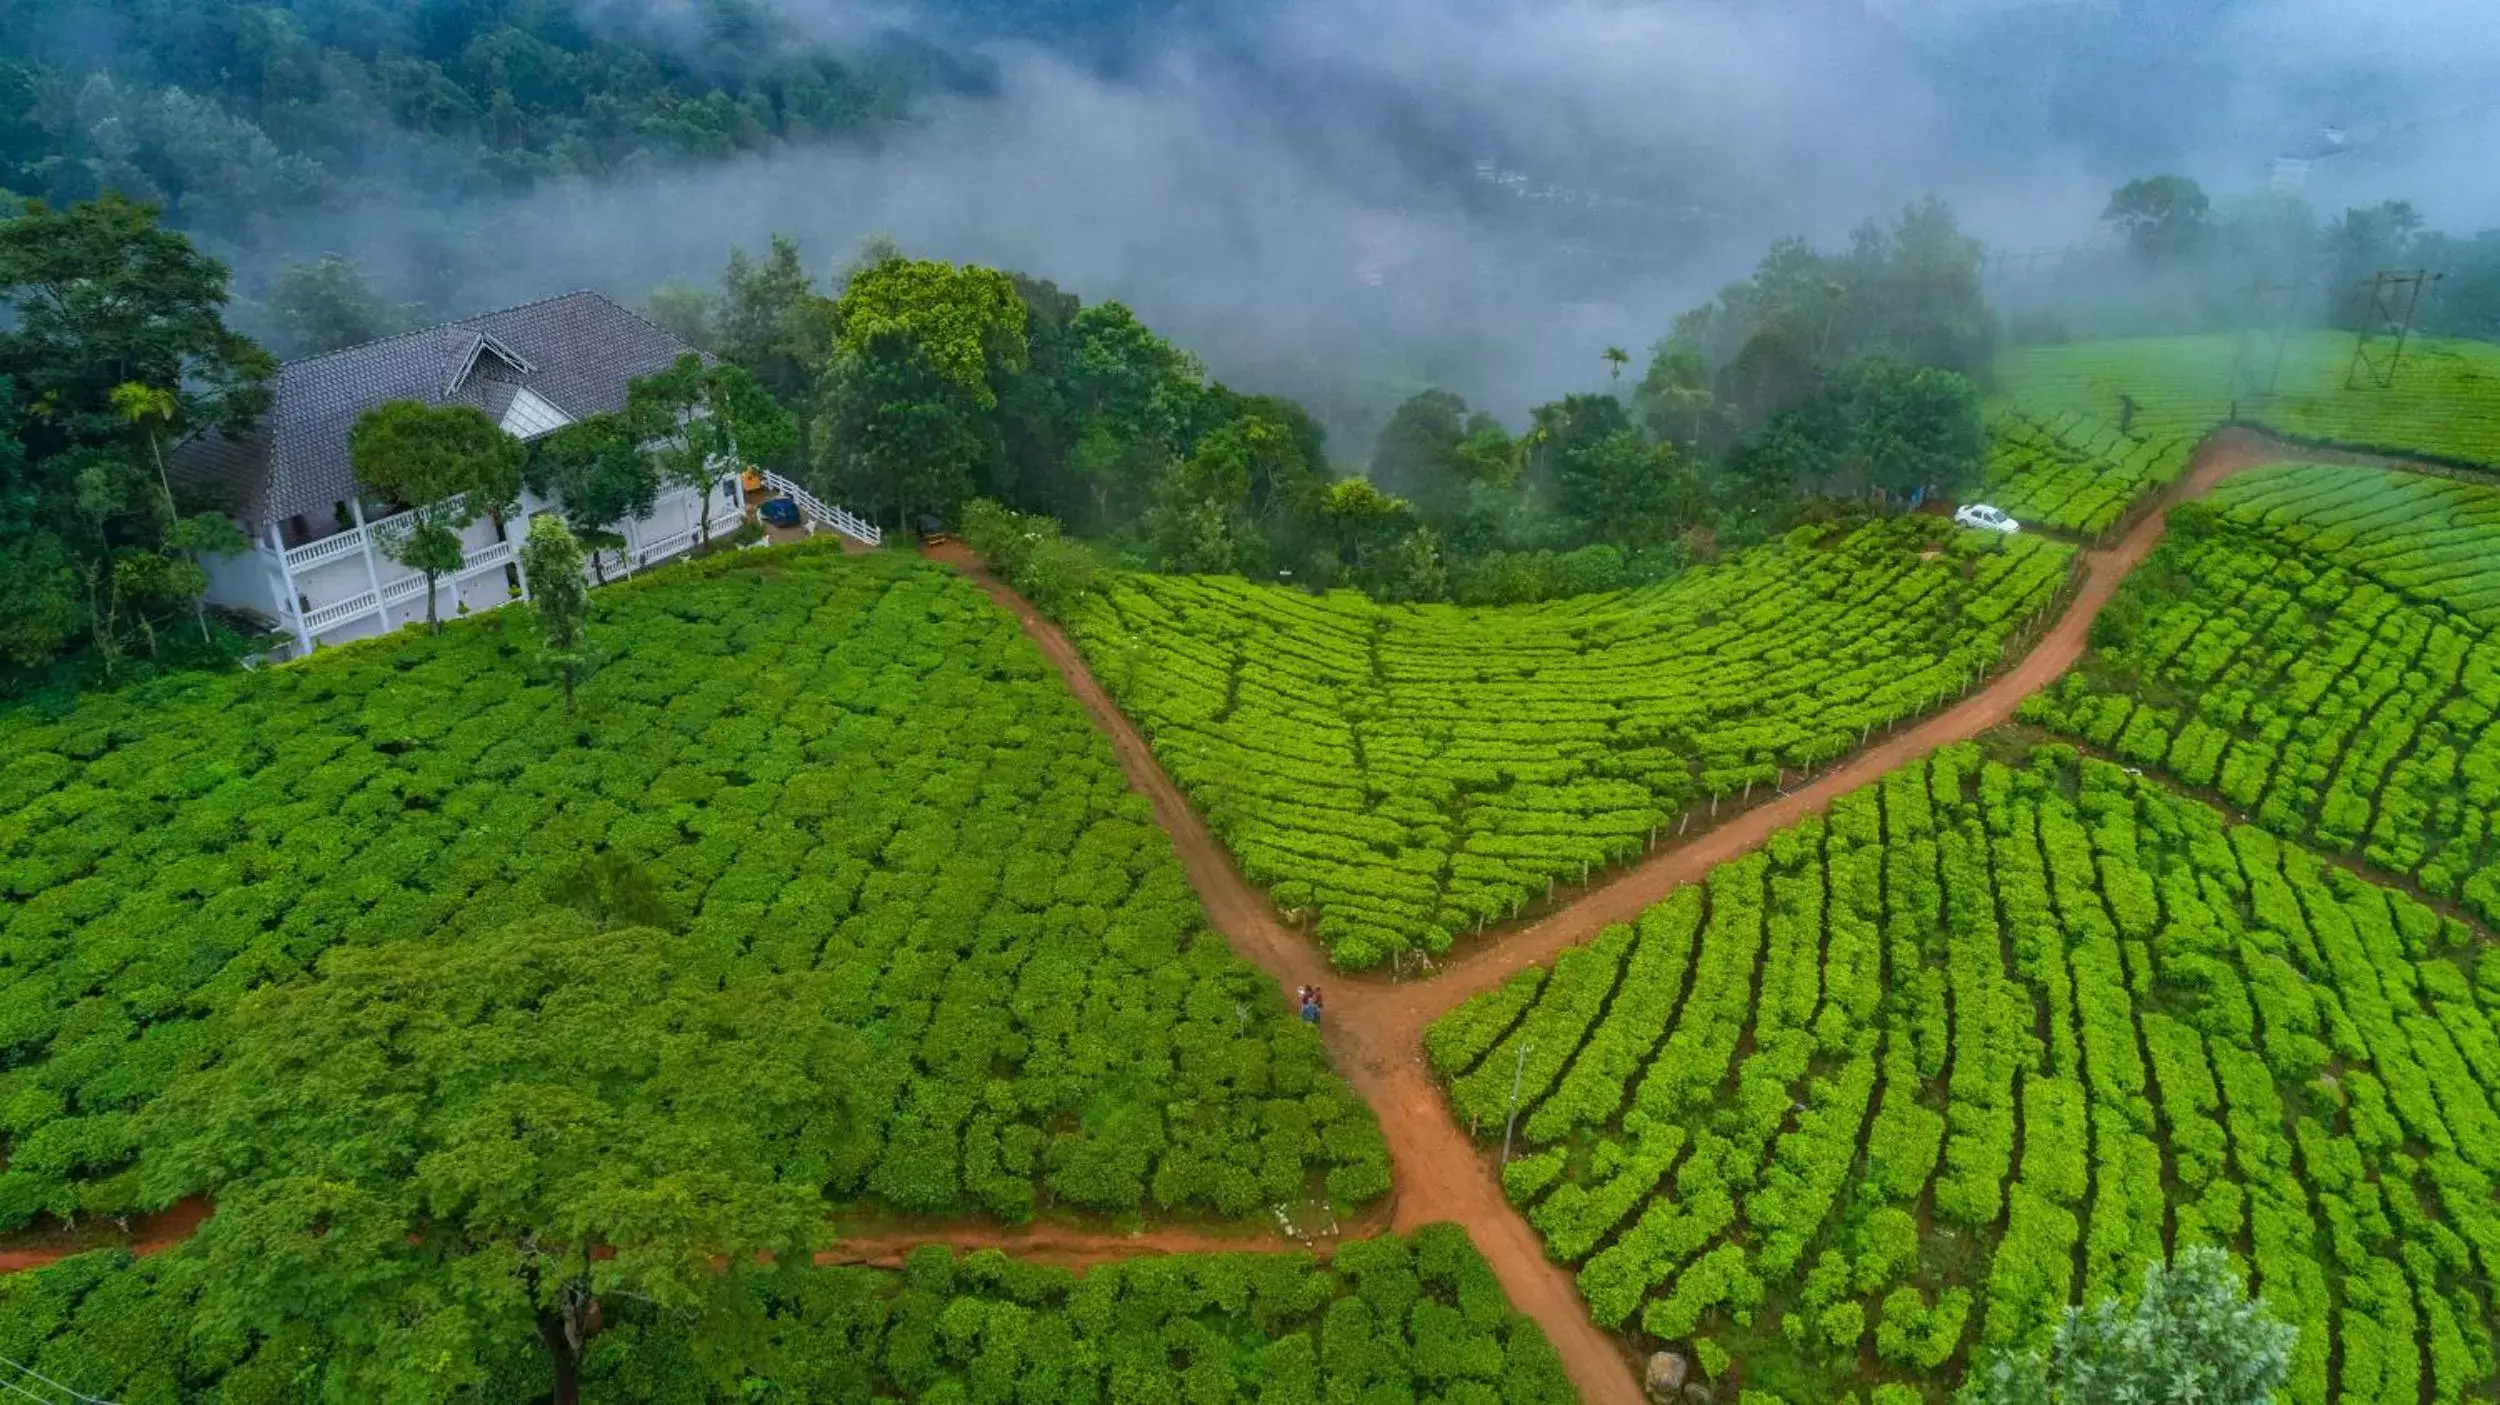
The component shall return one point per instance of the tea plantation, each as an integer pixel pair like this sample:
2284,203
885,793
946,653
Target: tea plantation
2314,644
2082,431
1891,1092
1419,1318
856,768
1410,774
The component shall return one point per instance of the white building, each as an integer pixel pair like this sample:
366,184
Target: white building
317,568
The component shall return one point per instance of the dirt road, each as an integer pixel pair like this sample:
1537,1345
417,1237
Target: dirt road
1375,1029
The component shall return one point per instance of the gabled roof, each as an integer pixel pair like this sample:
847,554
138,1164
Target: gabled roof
577,352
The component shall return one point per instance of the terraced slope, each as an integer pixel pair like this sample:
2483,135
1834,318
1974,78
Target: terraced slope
1408,774
2316,646
1895,1089
2084,431
800,761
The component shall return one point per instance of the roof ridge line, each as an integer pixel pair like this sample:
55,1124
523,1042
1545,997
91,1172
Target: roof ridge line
464,324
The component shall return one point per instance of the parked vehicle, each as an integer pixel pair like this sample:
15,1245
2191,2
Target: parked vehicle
1986,518
779,512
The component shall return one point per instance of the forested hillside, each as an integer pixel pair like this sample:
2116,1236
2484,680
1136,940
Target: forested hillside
236,114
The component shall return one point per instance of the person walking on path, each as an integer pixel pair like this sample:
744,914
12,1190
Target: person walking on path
1310,1004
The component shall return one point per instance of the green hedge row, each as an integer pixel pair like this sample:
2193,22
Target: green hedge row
797,760
1982,1042
1419,1318
1403,775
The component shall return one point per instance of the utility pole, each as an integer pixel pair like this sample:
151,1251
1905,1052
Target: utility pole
1516,1071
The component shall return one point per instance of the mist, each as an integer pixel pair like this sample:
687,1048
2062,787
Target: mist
1347,200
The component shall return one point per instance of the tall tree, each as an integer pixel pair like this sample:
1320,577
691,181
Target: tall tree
2194,1337
329,303
919,349
1910,427
1418,453
444,1144
559,597
1673,397
596,467
710,419
685,312
448,465
1560,432
112,340
1364,527
2166,220
1626,490
2364,242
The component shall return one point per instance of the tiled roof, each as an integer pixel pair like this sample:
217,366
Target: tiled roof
577,352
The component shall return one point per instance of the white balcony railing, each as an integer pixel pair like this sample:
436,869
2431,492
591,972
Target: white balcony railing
339,612
331,548
834,517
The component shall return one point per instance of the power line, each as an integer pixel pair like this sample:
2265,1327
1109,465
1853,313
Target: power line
77,1396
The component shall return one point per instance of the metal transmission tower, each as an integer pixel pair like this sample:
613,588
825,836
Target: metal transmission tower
2392,296
2273,305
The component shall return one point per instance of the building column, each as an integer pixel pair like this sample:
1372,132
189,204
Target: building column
286,581
519,571
373,569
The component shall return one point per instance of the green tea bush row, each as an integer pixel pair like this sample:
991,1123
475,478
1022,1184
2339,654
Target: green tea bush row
2316,646
2084,430
1985,1040
795,759
1414,1318
1406,774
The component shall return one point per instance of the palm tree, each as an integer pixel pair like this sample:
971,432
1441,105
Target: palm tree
1616,358
149,409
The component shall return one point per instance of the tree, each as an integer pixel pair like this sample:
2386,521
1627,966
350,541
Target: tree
1616,359
2166,220
595,466
1364,527
710,419
2363,242
960,317
1674,395
1199,519
1564,429
447,1143
685,312
918,352
773,322
552,561
112,339
149,409
898,434
448,465
329,303
1909,427
2195,1337
1627,490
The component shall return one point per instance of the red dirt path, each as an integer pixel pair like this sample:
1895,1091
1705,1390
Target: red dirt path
149,1235
1374,1029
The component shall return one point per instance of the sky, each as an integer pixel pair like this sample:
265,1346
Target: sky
1345,200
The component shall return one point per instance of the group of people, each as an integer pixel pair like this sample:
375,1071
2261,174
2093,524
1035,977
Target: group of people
1309,999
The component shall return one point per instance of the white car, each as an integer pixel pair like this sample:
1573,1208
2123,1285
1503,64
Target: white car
1986,518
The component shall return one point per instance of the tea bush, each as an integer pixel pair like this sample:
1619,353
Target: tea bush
799,760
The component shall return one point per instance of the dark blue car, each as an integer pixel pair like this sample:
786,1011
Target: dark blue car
780,512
